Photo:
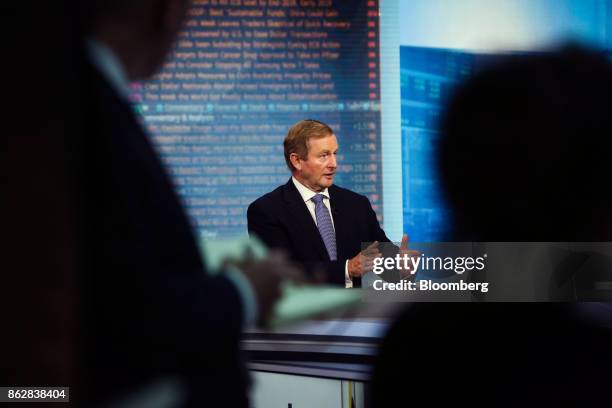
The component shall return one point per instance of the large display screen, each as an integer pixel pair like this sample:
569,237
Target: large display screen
378,72
241,74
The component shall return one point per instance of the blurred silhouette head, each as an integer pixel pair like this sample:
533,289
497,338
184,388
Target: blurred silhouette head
525,149
492,355
140,32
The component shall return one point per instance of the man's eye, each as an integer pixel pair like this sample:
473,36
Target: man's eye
324,155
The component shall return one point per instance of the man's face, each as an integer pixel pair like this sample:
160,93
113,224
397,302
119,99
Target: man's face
318,170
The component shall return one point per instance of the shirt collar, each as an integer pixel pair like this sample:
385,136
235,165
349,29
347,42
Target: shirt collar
109,65
305,192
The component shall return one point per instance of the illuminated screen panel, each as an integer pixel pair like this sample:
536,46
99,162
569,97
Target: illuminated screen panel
243,72
441,44
428,78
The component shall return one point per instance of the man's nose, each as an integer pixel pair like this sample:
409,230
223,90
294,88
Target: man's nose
333,163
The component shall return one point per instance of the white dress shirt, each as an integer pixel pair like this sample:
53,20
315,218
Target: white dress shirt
307,195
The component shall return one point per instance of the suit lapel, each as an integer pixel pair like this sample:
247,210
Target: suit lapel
341,221
301,216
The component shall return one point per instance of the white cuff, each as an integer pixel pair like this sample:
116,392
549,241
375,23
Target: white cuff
348,282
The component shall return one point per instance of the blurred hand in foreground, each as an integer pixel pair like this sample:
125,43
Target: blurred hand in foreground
266,276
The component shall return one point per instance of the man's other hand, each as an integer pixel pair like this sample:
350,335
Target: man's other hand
406,273
364,261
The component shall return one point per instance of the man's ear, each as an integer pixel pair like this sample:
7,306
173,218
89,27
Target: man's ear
295,161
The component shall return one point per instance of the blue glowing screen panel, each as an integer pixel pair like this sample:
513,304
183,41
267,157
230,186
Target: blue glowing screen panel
241,74
428,77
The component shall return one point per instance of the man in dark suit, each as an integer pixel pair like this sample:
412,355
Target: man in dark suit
321,225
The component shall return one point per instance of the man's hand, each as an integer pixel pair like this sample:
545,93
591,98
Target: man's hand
265,277
363,261
406,273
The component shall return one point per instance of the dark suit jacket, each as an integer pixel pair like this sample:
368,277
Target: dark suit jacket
149,309
282,220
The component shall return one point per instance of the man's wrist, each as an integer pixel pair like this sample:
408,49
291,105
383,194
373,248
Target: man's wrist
351,268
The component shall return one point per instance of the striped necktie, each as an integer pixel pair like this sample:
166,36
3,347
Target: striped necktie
325,226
